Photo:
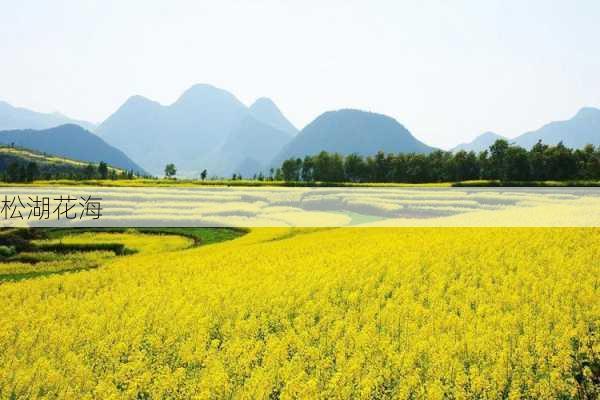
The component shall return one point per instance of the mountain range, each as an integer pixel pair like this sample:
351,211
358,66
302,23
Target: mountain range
70,141
209,128
582,129
206,128
12,118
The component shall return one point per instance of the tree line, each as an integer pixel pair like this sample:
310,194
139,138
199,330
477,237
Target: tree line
501,161
21,171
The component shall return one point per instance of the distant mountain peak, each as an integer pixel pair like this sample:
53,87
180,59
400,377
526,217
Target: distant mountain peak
13,118
582,129
263,102
350,131
203,94
480,143
587,112
137,101
490,134
265,110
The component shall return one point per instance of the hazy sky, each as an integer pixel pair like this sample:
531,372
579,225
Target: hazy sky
447,70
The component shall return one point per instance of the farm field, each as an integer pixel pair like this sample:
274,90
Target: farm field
436,313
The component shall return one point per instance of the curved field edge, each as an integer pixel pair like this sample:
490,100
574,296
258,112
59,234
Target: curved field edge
60,251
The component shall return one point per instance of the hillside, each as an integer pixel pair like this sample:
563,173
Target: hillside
70,141
21,118
195,132
352,131
582,129
47,165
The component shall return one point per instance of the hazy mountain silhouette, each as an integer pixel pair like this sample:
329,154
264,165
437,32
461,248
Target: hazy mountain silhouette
250,142
352,131
193,131
248,168
22,118
267,112
582,129
71,141
480,143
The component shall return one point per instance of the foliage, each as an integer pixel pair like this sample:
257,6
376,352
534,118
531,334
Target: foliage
7,251
502,162
170,170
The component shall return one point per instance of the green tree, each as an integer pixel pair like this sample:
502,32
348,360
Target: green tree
12,172
203,174
290,169
103,170
498,155
89,172
465,166
32,171
517,164
354,167
561,162
307,169
538,161
170,170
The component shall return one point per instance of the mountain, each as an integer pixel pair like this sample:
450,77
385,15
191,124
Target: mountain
71,141
251,143
206,127
480,143
265,111
352,131
22,118
582,129
248,168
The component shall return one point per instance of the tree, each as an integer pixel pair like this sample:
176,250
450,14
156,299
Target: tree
170,170
32,171
465,166
290,169
328,167
502,161
203,175
498,154
278,174
381,166
103,170
306,171
89,172
538,161
517,164
354,168
561,163
12,172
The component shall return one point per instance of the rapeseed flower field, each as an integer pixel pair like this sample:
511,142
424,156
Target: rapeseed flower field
344,313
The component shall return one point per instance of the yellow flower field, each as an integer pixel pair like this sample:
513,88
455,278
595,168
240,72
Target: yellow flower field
365,313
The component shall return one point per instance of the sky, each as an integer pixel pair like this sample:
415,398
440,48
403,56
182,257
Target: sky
446,70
